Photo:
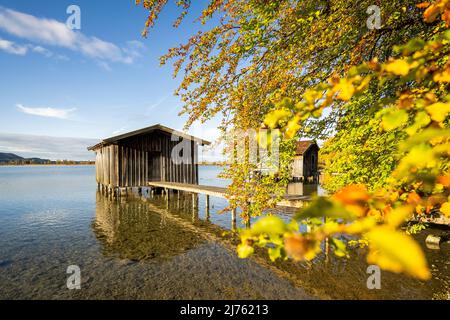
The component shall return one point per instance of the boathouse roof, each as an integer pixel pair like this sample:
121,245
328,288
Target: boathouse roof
153,128
303,146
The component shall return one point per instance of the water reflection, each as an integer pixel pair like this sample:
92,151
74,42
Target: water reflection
302,189
139,249
158,229
131,229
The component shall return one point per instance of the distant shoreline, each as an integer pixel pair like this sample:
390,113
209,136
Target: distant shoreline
47,164
85,164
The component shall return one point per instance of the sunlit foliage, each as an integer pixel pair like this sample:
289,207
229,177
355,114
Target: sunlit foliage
312,68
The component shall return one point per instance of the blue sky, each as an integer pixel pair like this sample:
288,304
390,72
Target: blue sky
86,84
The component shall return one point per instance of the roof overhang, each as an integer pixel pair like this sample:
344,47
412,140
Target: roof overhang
156,127
306,145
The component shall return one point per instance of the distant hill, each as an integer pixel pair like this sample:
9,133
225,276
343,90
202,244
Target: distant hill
5,157
14,159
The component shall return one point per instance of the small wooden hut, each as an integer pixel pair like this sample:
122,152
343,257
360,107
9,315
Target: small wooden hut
135,158
305,166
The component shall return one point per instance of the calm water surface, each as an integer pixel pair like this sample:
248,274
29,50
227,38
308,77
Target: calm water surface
52,217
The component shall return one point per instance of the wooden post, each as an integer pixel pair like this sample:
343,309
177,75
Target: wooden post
233,219
194,204
194,207
207,207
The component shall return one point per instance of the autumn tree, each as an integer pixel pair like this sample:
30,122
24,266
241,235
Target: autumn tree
378,96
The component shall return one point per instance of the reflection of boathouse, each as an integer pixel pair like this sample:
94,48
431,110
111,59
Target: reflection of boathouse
132,230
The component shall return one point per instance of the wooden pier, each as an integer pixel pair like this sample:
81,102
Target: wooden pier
293,201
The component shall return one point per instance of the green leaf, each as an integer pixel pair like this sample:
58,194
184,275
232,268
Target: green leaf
274,253
293,226
421,120
323,207
269,225
394,119
340,248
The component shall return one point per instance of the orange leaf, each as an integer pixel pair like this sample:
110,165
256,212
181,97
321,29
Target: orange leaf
444,180
423,5
446,17
352,194
300,247
413,198
431,13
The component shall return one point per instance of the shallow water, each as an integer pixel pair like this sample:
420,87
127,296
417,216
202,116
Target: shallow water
52,217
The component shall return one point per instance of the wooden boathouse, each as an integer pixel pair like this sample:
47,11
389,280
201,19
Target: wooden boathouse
155,153
305,166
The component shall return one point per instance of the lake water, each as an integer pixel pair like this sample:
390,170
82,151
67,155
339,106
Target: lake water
52,217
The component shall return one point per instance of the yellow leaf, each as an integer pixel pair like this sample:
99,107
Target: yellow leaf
244,250
364,83
442,76
398,216
394,196
273,118
346,89
438,111
445,209
292,127
360,225
398,67
397,252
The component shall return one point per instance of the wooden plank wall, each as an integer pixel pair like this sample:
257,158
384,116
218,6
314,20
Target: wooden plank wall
178,172
137,160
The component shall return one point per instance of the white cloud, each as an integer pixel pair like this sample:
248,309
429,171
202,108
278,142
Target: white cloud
47,112
104,65
56,33
121,130
13,48
23,49
41,50
45,147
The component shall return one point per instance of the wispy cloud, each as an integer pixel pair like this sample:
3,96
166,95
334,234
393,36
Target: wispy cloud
150,108
13,48
46,147
121,130
47,112
56,33
104,65
46,52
